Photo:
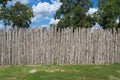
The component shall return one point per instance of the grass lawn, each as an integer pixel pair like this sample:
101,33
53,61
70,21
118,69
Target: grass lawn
61,72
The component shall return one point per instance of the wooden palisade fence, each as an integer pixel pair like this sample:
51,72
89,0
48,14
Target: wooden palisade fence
41,46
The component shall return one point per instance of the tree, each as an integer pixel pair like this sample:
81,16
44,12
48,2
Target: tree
101,3
4,2
4,11
77,18
18,15
74,13
108,12
69,5
4,14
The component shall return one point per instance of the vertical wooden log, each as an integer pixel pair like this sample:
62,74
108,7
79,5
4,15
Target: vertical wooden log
32,36
115,46
104,46
110,47
118,45
75,47
26,47
16,46
30,47
81,39
8,47
12,46
107,46
84,46
3,54
58,47
41,45
117,37
72,46
95,47
20,46
79,50
100,46
2,60
90,46
80,46
87,46
35,46
63,47
45,46
39,50
1,39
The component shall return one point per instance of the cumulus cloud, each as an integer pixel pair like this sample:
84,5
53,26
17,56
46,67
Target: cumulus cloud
1,26
45,26
117,20
53,21
43,10
23,1
39,27
92,10
96,26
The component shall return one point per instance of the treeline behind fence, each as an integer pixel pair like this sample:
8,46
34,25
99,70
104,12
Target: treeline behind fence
41,46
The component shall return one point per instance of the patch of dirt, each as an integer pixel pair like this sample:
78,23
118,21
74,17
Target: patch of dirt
33,65
55,70
118,71
111,77
49,71
33,71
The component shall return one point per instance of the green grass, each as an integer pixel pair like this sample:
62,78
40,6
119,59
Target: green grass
61,72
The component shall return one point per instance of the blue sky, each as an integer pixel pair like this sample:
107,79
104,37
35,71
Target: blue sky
44,11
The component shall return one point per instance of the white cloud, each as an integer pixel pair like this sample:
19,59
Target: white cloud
53,21
23,1
117,20
96,26
1,26
11,3
41,26
92,10
45,26
43,10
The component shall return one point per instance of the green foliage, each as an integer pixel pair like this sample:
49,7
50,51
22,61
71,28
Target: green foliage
4,14
109,11
4,2
69,5
18,15
74,14
4,11
101,3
